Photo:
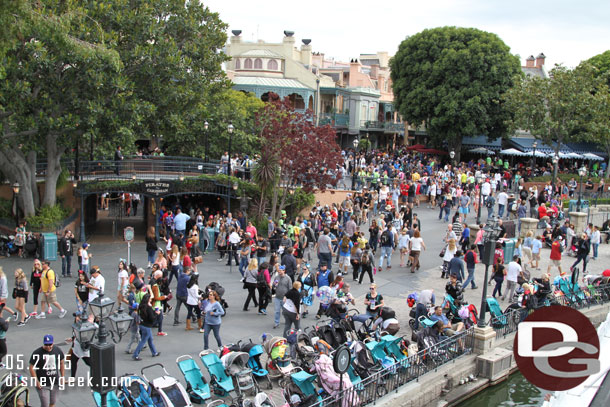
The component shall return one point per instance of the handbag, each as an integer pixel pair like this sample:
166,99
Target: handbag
443,251
198,260
15,292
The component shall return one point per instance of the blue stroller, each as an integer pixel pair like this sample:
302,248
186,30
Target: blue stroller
134,392
255,351
196,386
111,399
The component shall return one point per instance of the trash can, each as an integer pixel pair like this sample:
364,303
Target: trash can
49,246
584,205
508,245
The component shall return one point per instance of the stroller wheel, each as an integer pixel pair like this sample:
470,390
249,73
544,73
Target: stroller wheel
412,324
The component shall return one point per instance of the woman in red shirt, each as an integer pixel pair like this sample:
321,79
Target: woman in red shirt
556,249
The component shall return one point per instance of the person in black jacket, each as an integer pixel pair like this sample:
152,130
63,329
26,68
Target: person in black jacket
147,319
66,251
292,308
151,245
583,248
290,262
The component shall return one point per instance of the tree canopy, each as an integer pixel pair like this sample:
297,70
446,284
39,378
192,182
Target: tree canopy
602,63
454,80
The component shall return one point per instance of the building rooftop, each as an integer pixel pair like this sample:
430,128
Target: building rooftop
270,82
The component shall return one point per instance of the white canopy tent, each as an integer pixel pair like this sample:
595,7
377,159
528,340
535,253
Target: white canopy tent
591,156
512,151
482,150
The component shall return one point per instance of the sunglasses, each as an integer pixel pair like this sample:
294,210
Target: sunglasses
372,288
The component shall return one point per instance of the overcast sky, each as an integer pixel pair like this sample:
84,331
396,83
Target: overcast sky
566,31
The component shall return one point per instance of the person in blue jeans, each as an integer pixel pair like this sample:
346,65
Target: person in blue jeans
386,242
374,302
213,313
471,261
147,319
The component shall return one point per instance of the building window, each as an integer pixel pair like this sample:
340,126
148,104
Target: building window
248,64
237,64
258,63
272,65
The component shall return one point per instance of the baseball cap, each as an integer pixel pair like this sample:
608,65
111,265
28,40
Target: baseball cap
282,267
85,245
48,339
96,269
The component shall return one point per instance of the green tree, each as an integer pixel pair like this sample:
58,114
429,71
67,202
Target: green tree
602,63
554,109
52,73
599,124
454,80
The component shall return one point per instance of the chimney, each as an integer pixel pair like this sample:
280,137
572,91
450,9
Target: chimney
236,36
288,43
529,62
374,71
354,71
306,52
540,60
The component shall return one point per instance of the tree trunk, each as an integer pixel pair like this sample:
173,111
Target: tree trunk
31,159
275,194
14,166
54,154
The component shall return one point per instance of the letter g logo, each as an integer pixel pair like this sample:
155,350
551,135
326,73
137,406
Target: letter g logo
557,348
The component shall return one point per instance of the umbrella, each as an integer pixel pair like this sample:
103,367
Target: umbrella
481,150
416,147
512,151
591,156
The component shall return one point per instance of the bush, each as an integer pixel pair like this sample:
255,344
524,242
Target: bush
48,217
6,206
562,177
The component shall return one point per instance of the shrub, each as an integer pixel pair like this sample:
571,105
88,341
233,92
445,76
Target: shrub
48,217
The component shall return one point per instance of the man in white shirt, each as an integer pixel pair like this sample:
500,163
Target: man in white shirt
96,283
502,203
486,189
512,273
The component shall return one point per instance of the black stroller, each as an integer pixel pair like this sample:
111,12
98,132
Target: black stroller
213,286
31,246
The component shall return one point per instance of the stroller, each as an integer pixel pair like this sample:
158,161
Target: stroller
196,385
498,319
111,399
331,381
166,391
214,286
134,392
236,365
254,362
305,383
263,400
364,366
30,248
220,381
397,349
9,245
279,365
13,392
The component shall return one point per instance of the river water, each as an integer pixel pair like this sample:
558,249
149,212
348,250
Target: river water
515,391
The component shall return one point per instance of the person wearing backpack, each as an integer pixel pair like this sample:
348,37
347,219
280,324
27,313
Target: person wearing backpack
48,286
490,202
345,249
323,279
263,285
366,264
386,242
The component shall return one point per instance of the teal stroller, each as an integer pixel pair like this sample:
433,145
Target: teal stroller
221,382
196,386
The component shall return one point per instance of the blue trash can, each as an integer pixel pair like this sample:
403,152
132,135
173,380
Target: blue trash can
508,245
584,205
49,246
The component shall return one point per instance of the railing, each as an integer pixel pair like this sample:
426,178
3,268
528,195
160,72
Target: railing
371,124
380,383
577,298
391,126
334,119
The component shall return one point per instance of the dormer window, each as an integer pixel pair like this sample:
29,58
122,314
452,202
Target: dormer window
258,63
272,65
237,64
248,64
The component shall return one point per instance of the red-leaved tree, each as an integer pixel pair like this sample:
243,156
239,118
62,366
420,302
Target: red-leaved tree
294,152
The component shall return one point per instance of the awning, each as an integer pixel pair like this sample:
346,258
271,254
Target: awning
591,156
416,147
432,151
512,151
482,150
525,144
481,141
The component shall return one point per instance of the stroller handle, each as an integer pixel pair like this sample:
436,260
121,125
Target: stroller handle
179,358
149,366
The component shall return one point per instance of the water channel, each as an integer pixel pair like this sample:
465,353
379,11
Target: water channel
515,391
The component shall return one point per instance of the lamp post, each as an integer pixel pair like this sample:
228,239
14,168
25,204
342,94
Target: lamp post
492,231
582,171
102,352
534,145
479,180
356,142
206,126
16,187
452,155
230,129
235,186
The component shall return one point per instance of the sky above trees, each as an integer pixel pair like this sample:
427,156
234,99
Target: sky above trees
566,31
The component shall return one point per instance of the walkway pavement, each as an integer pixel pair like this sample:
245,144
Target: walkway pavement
394,284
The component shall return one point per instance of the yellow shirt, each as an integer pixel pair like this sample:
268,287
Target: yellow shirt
44,280
415,177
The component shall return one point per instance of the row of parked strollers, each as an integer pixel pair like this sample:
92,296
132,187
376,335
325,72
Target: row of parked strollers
302,364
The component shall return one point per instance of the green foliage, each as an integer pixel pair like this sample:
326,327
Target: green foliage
48,217
63,178
554,109
454,80
6,206
299,200
562,177
602,63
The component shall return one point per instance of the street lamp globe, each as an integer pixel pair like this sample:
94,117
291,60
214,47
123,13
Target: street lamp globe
84,331
555,159
16,187
230,128
582,171
101,306
452,154
120,322
74,184
356,142
206,125
535,144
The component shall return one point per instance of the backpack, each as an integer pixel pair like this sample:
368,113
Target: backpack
385,238
261,282
364,260
490,201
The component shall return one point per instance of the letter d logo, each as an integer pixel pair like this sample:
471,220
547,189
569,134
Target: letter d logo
526,338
